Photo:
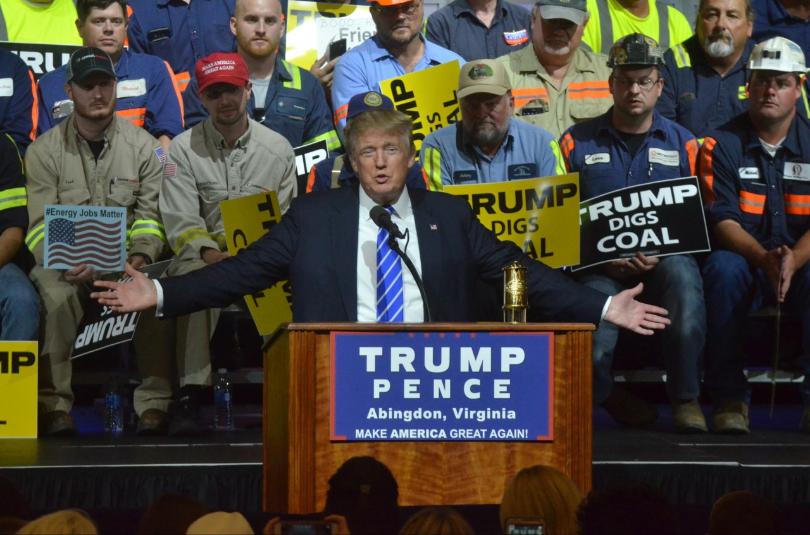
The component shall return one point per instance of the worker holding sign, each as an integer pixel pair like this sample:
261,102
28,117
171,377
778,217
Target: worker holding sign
632,144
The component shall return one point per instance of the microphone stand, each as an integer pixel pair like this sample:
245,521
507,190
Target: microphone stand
392,242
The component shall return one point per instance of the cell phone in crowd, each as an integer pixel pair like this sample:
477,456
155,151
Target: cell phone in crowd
337,48
525,526
305,527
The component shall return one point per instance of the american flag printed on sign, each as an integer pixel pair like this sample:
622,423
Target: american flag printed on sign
95,243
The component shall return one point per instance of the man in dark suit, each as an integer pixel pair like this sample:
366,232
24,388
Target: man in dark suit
325,245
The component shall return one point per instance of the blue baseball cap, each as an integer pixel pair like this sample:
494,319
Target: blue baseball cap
368,101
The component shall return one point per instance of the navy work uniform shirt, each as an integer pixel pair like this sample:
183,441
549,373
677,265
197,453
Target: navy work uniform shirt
596,150
456,28
18,111
772,20
295,107
768,196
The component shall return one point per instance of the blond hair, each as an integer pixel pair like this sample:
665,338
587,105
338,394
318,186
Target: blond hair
436,521
542,492
66,522
388,121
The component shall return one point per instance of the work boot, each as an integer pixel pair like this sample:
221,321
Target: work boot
629,410
153,422
731,417
185,413
56,424
688,417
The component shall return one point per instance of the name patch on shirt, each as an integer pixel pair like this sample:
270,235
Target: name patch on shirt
460,177
669,158
599,157
748,173
796,171
131,88
517,37
522,170
6,87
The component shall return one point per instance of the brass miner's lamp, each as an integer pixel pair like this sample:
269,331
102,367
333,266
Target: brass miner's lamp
514,293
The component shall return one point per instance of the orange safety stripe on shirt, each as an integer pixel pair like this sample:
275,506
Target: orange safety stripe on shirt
589,89
177,91
310,180
691,154
566,146
35,108
341,113
425,179
526,95
136,116
706,169
130,11
797,204
183,79
752,203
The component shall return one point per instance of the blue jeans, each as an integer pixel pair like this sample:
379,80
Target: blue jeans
733,290
674,284
19,305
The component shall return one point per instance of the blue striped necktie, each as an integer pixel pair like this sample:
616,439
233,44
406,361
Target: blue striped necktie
390,301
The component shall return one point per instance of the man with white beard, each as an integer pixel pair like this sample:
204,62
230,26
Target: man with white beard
705,76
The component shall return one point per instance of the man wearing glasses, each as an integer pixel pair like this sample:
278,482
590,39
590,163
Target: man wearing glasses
632,144
397,48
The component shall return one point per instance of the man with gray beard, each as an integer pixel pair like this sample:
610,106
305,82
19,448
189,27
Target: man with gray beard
705,76
487,145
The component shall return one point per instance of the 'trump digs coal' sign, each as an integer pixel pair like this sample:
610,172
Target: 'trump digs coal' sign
440,386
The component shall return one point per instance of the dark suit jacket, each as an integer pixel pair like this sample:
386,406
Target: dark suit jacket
315,247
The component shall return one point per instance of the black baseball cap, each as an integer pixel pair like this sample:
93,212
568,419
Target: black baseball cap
86,61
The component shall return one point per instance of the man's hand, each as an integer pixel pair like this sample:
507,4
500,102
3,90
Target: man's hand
787,268
212,256
631,267
624,311
323,69
138,293
138,261
80,274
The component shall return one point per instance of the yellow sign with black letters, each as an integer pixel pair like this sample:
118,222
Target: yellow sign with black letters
19,365
540,215
428,97
246,220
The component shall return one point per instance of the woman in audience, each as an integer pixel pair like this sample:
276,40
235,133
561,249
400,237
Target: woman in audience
436,521
543,494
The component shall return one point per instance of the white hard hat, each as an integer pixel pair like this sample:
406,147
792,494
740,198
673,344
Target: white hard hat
777,54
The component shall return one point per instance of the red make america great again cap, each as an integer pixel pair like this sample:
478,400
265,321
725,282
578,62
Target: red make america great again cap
221,68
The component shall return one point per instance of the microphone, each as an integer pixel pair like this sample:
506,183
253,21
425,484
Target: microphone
382,218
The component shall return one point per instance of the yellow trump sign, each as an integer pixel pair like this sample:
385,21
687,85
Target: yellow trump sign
246,220
428,97
540,215
18,389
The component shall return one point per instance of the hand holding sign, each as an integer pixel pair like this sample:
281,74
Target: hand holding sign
134,295
80,274
625,311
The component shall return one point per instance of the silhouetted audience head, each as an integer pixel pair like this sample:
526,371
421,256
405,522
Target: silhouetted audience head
170,514
626,509
12,502
66,522
542,492
436,521
743,513
9,525
219,523
365,492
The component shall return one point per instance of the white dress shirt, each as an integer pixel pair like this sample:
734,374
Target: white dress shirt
367,260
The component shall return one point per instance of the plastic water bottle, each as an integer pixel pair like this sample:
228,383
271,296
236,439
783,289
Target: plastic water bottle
223,402
113,410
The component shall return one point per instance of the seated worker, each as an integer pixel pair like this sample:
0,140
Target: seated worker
487,145
632,144
93,157
145,95
336,170
226,156
755,170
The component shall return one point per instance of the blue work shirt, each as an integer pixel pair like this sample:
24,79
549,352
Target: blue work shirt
595,150
295,107
768,196
527,151
456,28
772,19
18,112
321,175
363,67
146,95
181,33
695,95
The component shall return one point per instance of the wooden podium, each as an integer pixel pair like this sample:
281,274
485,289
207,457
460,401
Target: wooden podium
299,457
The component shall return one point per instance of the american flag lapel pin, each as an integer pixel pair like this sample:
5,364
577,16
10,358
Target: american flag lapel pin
434,226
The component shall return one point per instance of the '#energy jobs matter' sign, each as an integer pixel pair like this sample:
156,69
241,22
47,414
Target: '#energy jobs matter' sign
442,386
